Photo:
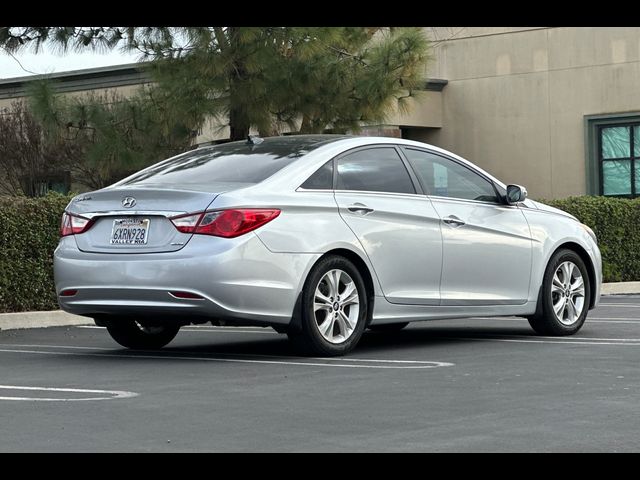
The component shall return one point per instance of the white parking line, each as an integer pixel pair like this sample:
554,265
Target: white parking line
232,358
628,305
618,344
111,394
589,319
572,338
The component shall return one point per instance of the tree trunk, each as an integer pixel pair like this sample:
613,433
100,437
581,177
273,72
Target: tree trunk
238,124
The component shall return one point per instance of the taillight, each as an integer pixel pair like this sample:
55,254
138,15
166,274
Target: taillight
225,223
74,224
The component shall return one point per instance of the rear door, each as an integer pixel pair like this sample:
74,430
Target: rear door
487,245
398,229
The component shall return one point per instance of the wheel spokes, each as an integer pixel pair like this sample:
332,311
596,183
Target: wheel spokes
326,327
571,311
350,295
557,285
336,306
568,293
558,307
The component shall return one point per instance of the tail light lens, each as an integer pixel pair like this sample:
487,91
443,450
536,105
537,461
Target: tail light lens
225,223
74,224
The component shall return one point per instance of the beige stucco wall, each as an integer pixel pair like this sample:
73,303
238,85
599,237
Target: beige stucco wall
124,91
516,98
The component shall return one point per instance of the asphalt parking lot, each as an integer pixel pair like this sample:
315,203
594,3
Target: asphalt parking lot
458,385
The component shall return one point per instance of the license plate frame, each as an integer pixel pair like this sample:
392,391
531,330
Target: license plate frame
137,232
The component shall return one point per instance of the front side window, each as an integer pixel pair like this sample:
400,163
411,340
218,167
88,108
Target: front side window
619,154
443,177
374,170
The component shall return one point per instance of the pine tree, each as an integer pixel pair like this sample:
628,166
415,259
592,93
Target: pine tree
309,78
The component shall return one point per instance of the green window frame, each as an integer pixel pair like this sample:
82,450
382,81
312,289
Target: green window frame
613,154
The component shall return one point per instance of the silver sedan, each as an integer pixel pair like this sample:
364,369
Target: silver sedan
319,237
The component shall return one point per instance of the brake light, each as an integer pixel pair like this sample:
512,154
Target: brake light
225,223
74,224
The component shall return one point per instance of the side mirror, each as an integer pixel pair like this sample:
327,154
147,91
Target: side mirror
516,194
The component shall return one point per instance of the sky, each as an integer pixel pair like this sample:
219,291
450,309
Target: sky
46,62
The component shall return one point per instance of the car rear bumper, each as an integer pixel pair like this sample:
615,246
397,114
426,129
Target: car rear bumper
239,281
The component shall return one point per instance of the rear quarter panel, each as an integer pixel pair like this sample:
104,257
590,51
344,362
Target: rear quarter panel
309,223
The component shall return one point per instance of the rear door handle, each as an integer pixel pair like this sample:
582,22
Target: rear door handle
453,221
359,208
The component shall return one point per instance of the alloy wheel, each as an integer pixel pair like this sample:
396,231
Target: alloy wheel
567,293
336,306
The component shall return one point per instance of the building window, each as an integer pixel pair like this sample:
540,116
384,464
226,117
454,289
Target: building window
612,154
619,156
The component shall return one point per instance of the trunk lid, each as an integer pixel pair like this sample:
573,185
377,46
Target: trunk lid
136,220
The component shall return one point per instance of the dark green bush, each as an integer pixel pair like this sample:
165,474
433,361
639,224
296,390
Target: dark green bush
616,223
29,233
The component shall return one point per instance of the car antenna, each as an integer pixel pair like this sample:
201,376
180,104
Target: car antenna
254,140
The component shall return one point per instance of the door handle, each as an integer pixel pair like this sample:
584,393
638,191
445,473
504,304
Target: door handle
359,208
453,221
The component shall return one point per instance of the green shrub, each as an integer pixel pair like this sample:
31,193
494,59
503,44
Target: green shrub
29,233
616,223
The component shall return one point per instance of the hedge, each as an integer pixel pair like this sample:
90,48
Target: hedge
29,234
616,223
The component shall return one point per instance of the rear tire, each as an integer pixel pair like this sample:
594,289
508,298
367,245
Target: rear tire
334,309
388,327
140,335
565,296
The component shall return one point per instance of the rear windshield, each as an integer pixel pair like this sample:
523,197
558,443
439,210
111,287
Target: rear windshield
236,162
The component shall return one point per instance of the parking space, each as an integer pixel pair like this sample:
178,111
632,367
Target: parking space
482,384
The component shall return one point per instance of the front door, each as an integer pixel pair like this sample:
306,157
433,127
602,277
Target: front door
487,245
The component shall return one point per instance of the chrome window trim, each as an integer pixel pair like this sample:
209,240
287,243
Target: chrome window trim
468,167
476,202
416,186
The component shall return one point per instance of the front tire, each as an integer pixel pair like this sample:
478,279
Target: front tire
140,335
334,309
565,296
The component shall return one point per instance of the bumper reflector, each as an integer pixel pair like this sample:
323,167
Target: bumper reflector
187,295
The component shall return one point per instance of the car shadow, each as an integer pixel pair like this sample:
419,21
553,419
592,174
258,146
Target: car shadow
370,343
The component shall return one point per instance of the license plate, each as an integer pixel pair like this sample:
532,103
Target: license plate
130,231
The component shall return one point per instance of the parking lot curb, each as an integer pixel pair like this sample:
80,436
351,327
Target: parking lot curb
58,318
54,318
620,288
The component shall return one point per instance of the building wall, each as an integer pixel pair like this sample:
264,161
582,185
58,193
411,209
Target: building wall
517,98
125,91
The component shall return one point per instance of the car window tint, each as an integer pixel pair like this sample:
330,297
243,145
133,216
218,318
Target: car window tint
442,177
322,179
235,162
374,170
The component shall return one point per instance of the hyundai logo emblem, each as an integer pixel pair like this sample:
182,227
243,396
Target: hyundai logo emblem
128,202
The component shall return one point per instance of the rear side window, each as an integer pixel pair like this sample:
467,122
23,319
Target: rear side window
322,179
374,170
